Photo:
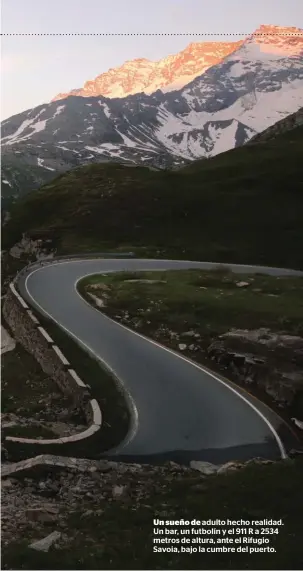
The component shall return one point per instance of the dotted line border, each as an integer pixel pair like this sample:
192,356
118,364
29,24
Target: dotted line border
294,34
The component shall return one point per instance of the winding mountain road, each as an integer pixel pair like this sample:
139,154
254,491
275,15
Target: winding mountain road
181,411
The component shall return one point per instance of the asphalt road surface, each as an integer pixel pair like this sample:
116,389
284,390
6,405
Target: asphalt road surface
180,411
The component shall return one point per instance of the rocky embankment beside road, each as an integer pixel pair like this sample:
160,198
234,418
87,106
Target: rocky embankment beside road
262,360
41,493
272,362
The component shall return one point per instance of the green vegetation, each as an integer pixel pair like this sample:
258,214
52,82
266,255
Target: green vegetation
24,384
31,431
121,537
208,301
245,206
28,393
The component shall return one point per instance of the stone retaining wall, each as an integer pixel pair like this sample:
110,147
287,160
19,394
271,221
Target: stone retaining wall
93,416
35,339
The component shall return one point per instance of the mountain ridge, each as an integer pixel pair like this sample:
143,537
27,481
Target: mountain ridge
249,90
144,75
175,70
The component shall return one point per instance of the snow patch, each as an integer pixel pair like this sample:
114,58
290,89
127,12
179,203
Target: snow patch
26,123
59,110
261,110
40,164
36,127
63,148
105,108
39,126
128,142
104,149
223,140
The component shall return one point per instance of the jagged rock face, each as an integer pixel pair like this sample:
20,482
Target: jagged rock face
248,91
287,40
177,70
143,75
33,248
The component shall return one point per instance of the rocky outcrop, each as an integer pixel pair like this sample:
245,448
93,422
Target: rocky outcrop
35,468
45,543
209,469
142,75
271,361
37,249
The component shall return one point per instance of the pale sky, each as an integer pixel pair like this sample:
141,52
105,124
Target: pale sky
34,69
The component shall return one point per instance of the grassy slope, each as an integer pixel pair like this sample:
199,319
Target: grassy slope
209,300
245,205
28,392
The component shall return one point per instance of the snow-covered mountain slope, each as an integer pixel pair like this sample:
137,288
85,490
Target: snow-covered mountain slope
252,88
143,75
290,123
257,85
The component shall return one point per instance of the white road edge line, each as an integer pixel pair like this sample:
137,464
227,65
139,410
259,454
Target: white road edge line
258,412
21,300
76,378
32,316
45,335
60,355
63,440
135,417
